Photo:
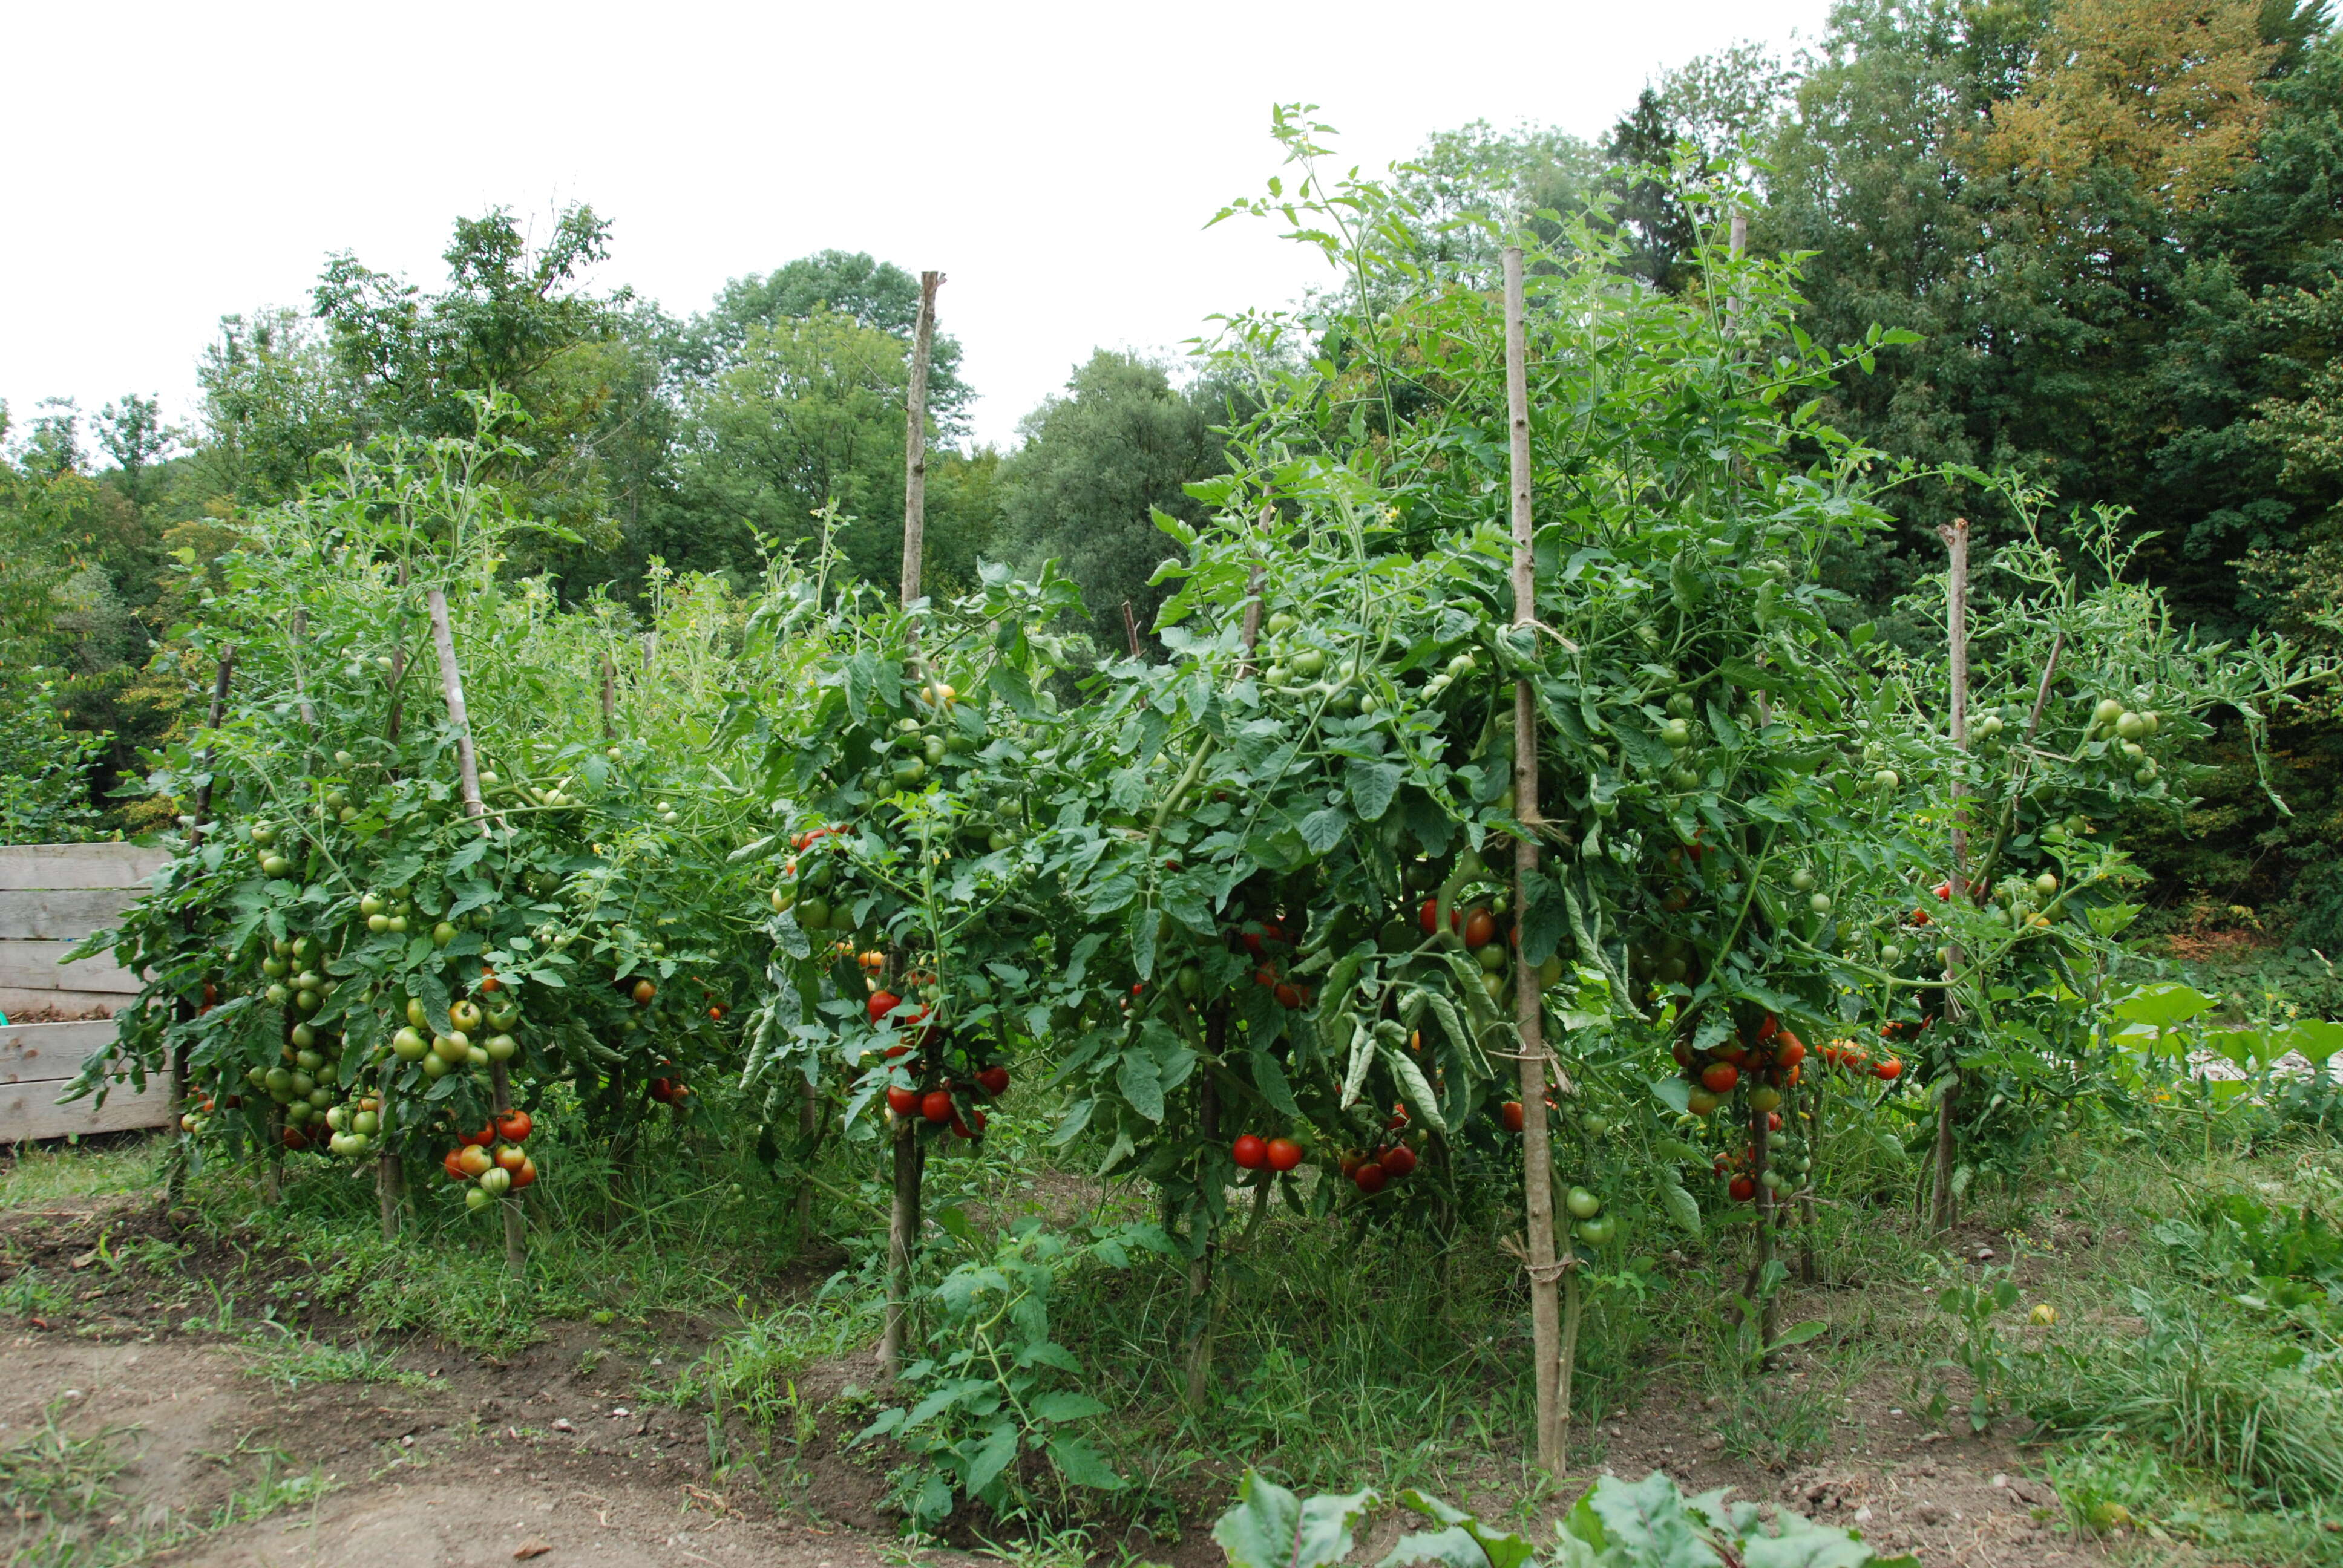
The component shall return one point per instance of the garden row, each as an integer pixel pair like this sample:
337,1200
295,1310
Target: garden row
1510,833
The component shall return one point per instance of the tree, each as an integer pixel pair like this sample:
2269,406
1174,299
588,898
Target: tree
873,294
1096,463
1660,232
2166,90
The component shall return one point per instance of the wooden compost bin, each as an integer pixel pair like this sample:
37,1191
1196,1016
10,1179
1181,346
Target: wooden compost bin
52,896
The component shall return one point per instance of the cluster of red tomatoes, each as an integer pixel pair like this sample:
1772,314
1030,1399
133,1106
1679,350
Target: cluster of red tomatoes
1253,1152
669,1091
1852,1057
1371,1170
935,1096
1771,1065
1265,944
492,1159
1479,928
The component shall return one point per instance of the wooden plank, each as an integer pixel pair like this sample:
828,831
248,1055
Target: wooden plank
32,1052
30,1110
34,966
67,914
15,1001
77,865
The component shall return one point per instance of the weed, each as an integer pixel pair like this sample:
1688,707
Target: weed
289,1359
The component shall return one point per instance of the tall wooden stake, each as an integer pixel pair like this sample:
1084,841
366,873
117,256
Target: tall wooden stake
1943,1208
903,1215
1537,1176
915,439
186,1010
467,764
389,1171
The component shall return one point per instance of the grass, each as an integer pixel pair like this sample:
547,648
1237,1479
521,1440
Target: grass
1350,1354
48,1173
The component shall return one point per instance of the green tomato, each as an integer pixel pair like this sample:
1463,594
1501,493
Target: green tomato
451,1048
1820,903
1582,1204
2047,884
365,1123
408,1045
476,1199
298,1113
1598,1232
1889,953
399,925
501,1048
1885,781
495,1180
442,934
1492,957
1281,623
2107,713
1803,881
276,865
436,1066
1676,733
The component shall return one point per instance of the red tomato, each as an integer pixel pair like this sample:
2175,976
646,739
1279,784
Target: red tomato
901,1101
480,1139
1919,916
1398,1161
644,991
993,1080
1370,1177
1510,1113
473,1161
1288,995
1284,1154
514,1126
662,1089
489,982
1772,1121
1889,1070
936,1105
454,1169
1730,1049
1791,1051
1719,1077
1250,1153
1479,928
1769,1029
1428,917
295,1139
509,1156
1742,1188
1681,1051
525,1173
883,1003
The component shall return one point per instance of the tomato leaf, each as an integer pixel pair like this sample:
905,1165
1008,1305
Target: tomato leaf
1324,829
991,1457
1415,1089
1371,786
1681,1206
1141,1085
1270,1527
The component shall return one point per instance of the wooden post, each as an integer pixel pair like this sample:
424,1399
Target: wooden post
915,440
903,1232
1761,1141
1807,1104
903,1218
1943,1208
1537,1176
1131,628
1203,1320
187,1011
467,764
609,698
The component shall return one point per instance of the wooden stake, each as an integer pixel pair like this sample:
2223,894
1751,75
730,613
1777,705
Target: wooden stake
1943,1208
903,1218
187,1010
609,698
1130,627
1537,1178
915,440
467,764
902,1231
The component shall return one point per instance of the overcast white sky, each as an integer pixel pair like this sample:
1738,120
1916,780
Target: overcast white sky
174,163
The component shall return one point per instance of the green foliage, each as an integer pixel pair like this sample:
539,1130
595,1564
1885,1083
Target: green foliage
1120,444
1001,1417
44,766
1616,1524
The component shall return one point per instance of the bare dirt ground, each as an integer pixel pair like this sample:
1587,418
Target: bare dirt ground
553,1453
